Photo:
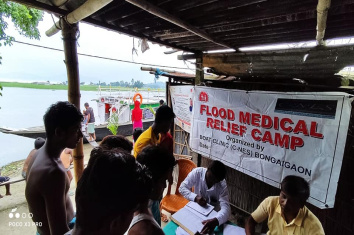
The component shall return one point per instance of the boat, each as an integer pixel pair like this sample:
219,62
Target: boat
125,129
109,101
114,100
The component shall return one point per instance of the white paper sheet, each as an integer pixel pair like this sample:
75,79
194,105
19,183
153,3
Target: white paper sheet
233,230
189,220
181,231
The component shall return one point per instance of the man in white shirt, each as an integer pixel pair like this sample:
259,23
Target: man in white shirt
209,187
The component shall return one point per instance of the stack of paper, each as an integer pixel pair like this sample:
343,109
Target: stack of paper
190,218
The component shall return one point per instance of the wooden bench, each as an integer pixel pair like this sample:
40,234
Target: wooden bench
13,180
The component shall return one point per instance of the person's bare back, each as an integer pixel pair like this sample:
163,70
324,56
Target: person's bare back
47,181
47,194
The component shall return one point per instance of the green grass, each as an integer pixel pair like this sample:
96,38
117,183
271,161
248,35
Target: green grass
63,87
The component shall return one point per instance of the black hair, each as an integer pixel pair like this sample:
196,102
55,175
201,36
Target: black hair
157,159
61,114
218,169
117,141
39,142
161,102
137,132
164,113
112,184
296,186
86,104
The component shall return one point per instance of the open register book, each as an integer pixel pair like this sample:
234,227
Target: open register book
190,219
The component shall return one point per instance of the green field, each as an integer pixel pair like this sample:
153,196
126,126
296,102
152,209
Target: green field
63,87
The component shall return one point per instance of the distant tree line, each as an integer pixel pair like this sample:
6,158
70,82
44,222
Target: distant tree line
122,83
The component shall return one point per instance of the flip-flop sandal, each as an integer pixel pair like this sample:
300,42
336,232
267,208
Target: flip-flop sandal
164,218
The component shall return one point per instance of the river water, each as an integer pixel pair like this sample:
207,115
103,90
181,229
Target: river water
22,108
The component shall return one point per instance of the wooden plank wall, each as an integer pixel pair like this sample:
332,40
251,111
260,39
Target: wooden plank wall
246,192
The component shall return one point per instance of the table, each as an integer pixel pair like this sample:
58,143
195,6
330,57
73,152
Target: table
171,227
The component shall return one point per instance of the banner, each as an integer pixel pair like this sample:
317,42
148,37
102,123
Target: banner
182,103
269,135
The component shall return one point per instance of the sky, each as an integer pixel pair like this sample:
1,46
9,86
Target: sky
26,63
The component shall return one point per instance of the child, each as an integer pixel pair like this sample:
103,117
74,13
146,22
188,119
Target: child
2,180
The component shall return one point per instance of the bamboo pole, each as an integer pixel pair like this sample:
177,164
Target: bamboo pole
69,33
199,78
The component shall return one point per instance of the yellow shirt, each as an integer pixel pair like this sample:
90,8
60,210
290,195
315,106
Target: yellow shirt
146,138
305,223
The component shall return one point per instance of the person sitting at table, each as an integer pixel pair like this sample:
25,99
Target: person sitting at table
160,164
287,213
209,187
4,179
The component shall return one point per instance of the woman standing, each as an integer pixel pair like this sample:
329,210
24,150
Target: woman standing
137,116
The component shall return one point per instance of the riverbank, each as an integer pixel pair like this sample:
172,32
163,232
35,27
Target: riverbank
17,201
65,87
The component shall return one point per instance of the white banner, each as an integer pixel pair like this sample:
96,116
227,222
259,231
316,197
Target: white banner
269,135
182,103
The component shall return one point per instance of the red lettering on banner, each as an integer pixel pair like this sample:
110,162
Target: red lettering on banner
313,130
255,119
210,122
222,113
263,121
207,111
276,123
267,137
234,129
214,111
222,128
255,133
283,123
230,115
266,122
243,130
202,108
216,124
296,142
282,141
245,117
301,127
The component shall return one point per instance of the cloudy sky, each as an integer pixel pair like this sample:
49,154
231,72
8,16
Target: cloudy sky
28,63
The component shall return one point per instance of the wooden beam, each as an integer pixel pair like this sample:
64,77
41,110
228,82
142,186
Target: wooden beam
69,33
174,20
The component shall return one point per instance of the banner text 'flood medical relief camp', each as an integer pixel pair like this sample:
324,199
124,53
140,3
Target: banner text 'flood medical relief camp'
271,135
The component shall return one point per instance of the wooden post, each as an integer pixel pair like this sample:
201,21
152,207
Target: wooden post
199,78
69,33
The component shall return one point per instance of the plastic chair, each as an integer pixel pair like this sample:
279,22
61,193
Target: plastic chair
174,202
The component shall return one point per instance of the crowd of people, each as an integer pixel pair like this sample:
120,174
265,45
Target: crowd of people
121,188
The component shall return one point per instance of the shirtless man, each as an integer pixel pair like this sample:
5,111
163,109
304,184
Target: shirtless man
38,143
47,182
